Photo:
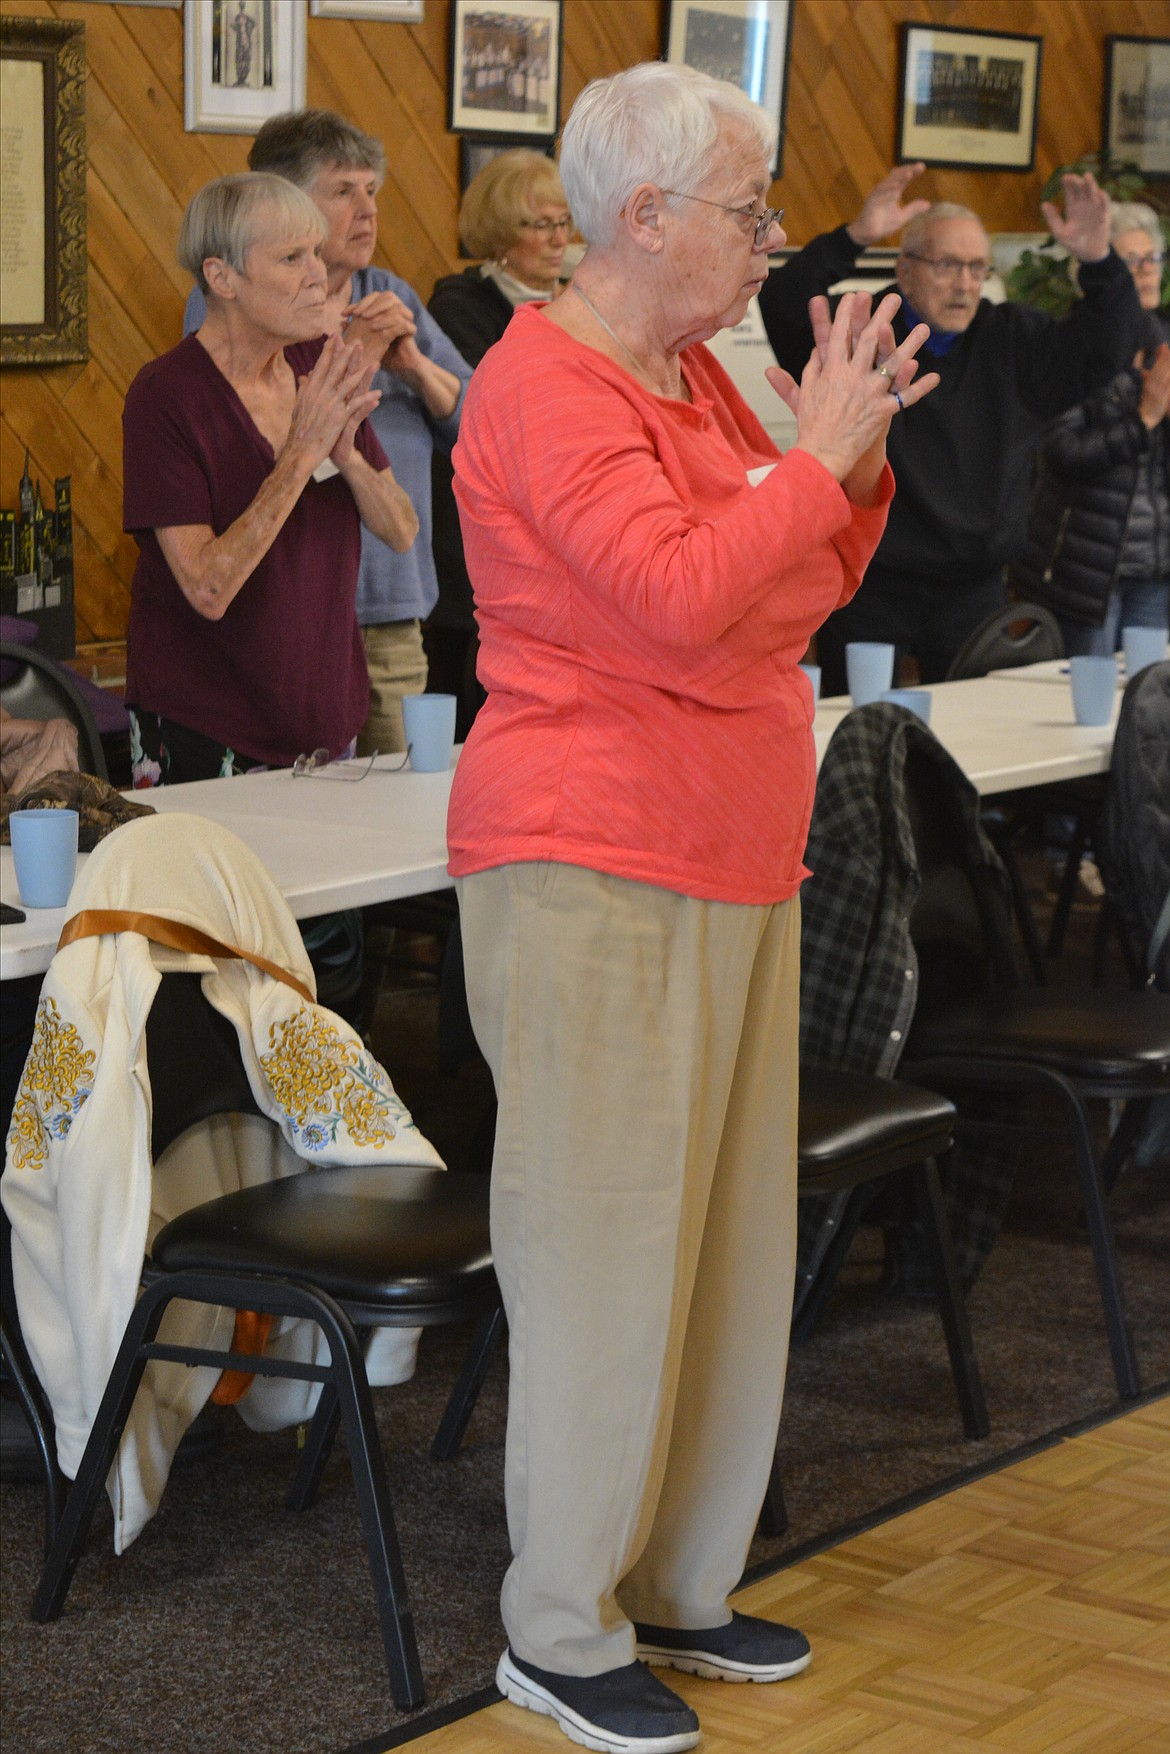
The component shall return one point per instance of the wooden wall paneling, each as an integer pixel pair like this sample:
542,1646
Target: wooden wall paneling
392,79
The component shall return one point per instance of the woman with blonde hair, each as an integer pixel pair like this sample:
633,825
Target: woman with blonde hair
513,214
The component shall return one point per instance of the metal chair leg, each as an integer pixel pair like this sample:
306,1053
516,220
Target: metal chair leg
465,1394
952,1307
825,1277
774,1511
1125,1367
72,1529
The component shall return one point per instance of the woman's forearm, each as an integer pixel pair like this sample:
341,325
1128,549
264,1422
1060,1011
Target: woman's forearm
384,506
209,569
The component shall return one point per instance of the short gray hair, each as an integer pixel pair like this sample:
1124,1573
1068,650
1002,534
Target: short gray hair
299,144
1135,216
920,226
654,123
227,216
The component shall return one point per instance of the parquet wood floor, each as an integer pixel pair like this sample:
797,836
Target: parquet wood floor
1026,1613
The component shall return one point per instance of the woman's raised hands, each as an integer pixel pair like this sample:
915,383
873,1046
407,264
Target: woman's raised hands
857,378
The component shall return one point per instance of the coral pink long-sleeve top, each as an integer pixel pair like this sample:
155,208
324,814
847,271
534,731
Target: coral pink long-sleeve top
643,609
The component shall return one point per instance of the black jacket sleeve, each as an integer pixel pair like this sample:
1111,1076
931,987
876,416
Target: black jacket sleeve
1060,363
785,294
1094,437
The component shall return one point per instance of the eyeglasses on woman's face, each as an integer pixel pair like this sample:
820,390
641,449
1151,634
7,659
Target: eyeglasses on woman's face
762,222
951,267
546,227
1136,263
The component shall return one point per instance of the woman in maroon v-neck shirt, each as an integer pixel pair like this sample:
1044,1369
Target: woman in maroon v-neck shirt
248,472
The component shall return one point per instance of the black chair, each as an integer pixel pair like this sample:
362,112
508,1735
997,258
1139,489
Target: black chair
1019,633
1072,1045
351,1249
860,1133
33,686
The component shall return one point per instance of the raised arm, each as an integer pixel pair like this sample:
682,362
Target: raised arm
1059,364
789,289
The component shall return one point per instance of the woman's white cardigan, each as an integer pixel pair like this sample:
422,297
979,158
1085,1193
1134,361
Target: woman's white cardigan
79,1186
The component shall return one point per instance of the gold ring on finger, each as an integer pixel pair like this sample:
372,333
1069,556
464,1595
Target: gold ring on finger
884,372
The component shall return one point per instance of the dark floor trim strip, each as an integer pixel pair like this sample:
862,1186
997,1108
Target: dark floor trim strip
461,1708
433,1720
940,1489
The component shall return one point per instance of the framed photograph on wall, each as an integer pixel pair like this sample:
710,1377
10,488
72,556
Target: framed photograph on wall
388,11
1136,123
506,68
43,301
745,42
243,61
968,99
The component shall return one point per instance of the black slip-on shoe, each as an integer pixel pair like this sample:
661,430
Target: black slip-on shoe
747,1649
624,1711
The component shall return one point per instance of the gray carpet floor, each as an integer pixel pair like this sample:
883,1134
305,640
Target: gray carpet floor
232,1625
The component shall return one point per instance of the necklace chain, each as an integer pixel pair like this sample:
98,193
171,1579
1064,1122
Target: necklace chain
641,368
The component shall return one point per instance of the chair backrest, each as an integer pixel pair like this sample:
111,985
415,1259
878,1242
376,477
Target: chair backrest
32,686
961,923
193,1056
1020,633
1133,837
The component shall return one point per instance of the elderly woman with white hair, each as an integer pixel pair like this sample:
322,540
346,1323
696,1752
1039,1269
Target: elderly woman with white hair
626,829
249,471
1098,547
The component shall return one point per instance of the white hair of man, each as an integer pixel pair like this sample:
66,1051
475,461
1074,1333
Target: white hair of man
920,227
654,123
1135,216
226,217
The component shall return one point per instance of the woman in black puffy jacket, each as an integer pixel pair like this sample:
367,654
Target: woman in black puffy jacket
1098,547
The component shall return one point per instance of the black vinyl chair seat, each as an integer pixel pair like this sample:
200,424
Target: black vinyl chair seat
1109,1037
853,1127
414,1240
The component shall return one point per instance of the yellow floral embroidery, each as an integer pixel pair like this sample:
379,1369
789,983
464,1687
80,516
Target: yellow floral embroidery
56,1082
325,1084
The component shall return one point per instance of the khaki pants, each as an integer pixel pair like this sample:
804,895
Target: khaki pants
397,665
644,1050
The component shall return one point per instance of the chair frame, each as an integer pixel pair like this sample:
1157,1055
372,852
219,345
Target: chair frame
184,1021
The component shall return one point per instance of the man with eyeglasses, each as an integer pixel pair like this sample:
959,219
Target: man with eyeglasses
963,458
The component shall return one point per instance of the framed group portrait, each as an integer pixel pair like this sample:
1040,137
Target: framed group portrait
505,75
44,313
243,61
1136,121
745,42
968,99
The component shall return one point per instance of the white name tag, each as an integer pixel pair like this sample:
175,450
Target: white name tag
325,470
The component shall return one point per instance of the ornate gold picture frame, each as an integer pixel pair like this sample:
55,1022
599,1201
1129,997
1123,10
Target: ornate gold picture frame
43,297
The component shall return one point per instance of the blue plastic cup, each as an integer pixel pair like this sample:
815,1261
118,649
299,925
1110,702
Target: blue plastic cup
44,852
869,665
915,700
813,672
429,720
1142,646
1094,689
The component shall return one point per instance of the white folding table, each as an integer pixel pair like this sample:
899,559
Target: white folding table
330,843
